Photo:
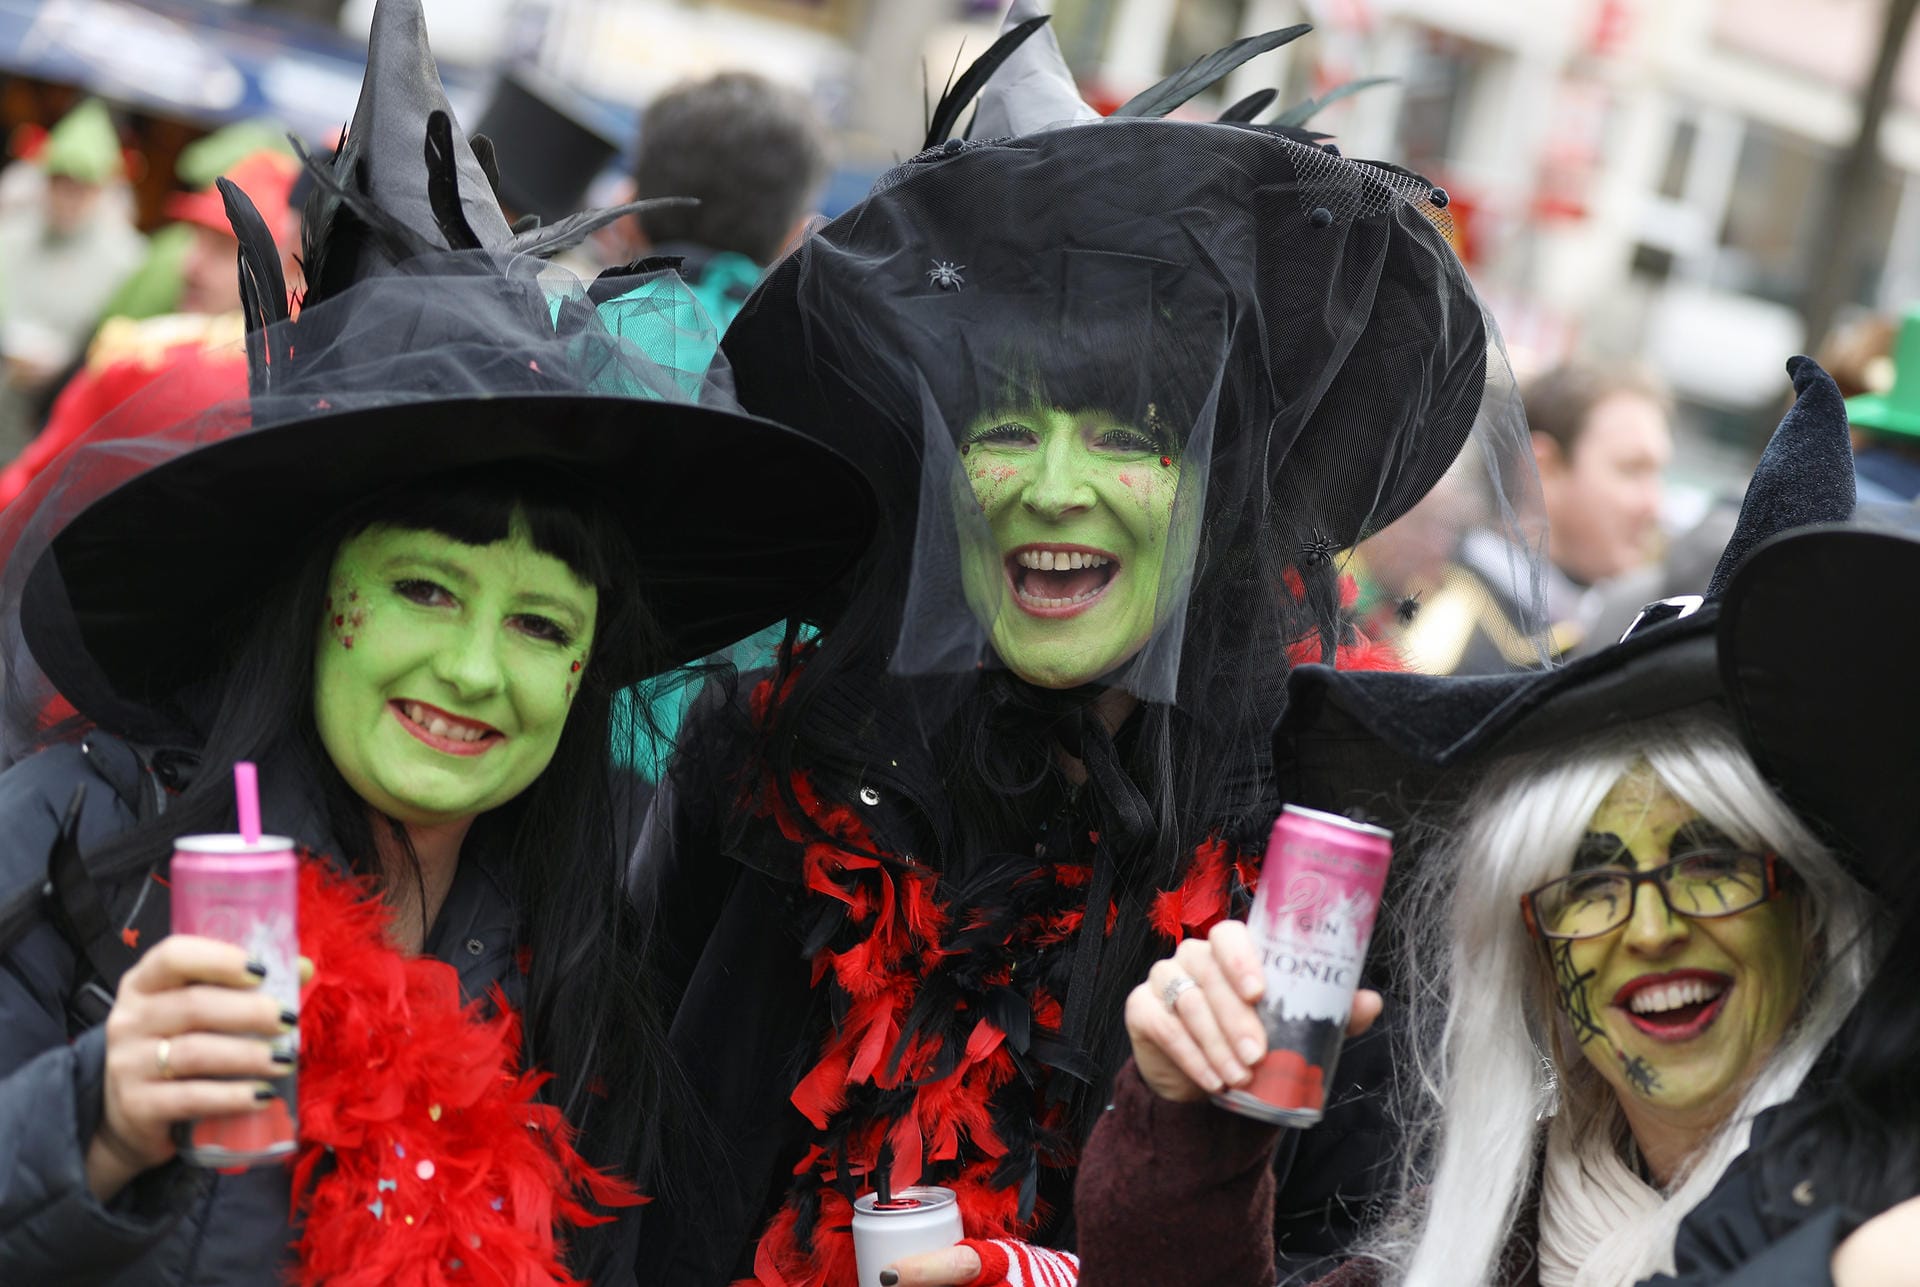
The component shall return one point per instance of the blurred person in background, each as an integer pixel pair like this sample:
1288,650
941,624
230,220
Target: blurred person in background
209,281
200,343
61,258
189,264
1858,354
1885,409
1439,584
1405,576
1602,438
754,154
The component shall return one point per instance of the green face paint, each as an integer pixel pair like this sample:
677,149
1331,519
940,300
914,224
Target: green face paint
1081,510
1676,1013
443,672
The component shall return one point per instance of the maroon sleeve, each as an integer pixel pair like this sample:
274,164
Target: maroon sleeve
1174,1193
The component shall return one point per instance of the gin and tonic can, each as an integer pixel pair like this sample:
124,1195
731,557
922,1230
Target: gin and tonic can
924,1217
245,893
1312,918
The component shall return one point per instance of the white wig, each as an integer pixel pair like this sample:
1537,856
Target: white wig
1493,1059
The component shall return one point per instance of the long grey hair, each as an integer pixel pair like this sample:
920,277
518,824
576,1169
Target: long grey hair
1493,1060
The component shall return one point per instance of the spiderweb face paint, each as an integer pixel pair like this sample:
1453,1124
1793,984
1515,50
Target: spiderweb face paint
444,672
1080,506
1676,1013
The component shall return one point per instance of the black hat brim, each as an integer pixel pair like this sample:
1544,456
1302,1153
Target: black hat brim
735,523
1402,739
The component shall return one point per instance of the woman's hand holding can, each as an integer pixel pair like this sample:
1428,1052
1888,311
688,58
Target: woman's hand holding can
184,1041
1193,1024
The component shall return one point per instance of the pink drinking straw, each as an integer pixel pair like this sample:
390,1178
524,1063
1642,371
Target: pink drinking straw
246,788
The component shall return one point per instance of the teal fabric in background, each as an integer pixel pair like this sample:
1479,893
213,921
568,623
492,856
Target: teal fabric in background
647,750
677,323
723,284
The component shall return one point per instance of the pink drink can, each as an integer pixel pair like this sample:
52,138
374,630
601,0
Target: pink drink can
924,1217
246,893
1312,918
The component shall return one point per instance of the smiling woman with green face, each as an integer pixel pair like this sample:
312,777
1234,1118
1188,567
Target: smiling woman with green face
1679,961
444,671
1081,509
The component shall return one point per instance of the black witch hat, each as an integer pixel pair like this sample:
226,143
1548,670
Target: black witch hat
432,338
1260,232
1293,326
1838,740
548,147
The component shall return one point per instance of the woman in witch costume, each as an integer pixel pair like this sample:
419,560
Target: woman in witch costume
1829,1184
1127,387
1630,945
407,577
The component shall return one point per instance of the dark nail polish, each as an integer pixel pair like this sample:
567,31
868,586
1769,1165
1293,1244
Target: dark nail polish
264,1093
256,969
289,1017
284,1058
888,1278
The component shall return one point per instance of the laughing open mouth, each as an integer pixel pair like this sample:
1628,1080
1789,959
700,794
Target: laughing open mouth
1059,580
1676,1006
443,730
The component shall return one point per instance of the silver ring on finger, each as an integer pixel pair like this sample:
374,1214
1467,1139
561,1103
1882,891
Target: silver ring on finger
163,1059
1176,985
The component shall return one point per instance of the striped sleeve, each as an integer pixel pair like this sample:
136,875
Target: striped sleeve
1006,1263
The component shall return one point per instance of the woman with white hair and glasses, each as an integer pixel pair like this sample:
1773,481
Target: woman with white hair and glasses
1623,949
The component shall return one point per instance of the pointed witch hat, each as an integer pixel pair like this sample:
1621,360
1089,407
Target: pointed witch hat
432,339
1032,90
1038,172
82,145
1757,644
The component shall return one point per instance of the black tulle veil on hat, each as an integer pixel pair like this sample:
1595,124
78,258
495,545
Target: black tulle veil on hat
1296,325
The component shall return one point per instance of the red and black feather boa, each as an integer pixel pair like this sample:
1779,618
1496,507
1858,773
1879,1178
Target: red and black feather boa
944,1002
425,1155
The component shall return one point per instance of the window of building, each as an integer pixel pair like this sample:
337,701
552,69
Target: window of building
1772,239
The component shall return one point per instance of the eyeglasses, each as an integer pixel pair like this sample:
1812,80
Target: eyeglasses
1701,886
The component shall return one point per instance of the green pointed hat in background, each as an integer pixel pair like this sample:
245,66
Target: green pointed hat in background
207,158
1898,409
84,145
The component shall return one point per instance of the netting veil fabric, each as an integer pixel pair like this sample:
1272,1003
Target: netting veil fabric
1288,332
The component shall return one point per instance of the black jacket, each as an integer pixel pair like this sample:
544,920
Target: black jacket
175,1225
1761,1226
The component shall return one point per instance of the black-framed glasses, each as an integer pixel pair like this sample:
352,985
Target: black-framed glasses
1701,886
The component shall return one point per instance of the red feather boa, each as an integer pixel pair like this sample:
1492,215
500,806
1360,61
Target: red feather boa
424,1158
